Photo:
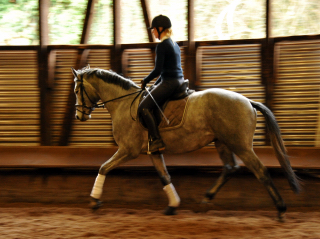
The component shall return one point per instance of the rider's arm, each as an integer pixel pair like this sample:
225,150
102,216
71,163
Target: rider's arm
158,64
158,81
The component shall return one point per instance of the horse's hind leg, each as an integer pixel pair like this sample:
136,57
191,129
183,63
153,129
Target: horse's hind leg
174,200
253,163
230,166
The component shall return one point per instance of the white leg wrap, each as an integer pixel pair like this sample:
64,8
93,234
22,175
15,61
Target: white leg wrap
98,186
174,199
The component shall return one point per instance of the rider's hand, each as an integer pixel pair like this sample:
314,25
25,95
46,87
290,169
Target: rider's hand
143,84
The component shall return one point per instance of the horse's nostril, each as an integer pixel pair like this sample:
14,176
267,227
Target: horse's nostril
77,117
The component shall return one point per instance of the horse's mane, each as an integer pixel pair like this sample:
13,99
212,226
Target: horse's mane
109,77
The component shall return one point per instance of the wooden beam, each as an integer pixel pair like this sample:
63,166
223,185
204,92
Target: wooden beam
87,22
298,38
267,59
125,63
51,68
198,69
190,53
147,18
228,42
267,64
191,22
45,90
79,47
43,22
21,48
268,19
267,70
93,157
80,62
116,53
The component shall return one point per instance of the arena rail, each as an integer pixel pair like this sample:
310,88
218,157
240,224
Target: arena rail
93,157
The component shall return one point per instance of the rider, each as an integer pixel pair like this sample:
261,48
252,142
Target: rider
168,66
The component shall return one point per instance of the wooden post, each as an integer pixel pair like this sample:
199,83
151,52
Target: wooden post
87,22
147,19
190,53
267,63
51,68
80,62
116,53
45,90
267,59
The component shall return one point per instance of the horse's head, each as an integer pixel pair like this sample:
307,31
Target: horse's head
86,96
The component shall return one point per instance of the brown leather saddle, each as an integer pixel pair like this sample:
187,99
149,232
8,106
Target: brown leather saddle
177,100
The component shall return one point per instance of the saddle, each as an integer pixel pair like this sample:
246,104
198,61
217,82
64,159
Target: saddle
173,108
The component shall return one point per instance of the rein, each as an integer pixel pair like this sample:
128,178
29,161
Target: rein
100,105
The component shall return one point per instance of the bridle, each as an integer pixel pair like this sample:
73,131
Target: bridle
100,105
94,105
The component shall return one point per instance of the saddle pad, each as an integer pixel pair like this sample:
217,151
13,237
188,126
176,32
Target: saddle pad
174,111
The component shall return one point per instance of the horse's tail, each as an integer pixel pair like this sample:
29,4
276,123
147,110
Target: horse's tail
278,145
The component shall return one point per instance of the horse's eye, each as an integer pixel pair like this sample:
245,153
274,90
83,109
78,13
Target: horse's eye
77,92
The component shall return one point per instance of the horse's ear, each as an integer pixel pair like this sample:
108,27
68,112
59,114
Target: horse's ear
88,66
74,72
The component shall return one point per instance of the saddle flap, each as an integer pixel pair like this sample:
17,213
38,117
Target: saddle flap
176,108
174,111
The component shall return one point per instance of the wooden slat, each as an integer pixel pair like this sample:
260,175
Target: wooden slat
235,68
19,99
96,131
140,63
81,61
64,61
296,96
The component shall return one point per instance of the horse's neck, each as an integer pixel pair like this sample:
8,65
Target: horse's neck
110,93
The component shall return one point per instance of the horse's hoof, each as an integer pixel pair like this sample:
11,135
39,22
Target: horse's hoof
203,207
170,211
281,216
95,204
281,213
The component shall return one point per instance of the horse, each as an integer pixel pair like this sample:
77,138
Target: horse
214,115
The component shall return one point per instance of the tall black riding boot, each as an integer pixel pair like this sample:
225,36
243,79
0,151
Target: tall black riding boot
156,144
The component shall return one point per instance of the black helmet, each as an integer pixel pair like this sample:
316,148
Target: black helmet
160,21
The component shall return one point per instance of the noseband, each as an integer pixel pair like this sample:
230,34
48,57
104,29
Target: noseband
95,105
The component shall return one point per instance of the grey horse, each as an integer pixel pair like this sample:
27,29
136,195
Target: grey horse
215,115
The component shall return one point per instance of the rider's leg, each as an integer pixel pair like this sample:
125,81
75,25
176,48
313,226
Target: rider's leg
160,94
156,143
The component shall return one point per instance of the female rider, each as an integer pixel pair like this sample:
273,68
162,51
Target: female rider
168,66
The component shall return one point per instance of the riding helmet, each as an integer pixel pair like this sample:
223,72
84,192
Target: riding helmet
160,21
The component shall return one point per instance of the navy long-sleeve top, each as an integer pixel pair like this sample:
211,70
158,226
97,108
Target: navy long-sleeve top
167,62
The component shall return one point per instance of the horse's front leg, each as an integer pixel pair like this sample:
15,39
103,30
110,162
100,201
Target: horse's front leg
174,200
118,158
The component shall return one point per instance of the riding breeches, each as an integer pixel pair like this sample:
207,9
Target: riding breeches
161,93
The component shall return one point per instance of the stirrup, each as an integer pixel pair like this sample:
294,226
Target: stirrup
157,150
